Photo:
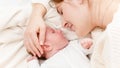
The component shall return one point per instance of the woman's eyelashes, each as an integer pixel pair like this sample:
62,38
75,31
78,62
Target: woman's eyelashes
59,11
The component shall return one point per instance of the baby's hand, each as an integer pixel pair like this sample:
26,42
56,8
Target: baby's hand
86,43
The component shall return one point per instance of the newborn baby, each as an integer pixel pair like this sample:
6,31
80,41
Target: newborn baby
55,41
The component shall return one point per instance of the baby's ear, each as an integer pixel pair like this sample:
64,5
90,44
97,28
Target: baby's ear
47,48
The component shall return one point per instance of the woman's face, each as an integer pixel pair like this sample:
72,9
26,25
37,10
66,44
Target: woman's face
75,15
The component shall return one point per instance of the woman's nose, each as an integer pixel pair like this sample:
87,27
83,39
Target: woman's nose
64,23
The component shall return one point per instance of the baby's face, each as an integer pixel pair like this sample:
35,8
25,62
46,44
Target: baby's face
54,42
54,36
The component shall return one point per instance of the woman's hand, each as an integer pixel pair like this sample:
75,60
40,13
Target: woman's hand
35,32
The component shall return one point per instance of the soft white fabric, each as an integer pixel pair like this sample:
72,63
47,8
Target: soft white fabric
33,64
106,53
13,19
71,56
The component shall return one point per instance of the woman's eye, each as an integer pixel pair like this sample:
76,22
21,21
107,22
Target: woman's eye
61,13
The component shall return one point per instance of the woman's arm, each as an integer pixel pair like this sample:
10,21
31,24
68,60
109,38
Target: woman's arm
35,31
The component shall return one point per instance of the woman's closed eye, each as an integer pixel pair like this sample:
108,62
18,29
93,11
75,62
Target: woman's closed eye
59,11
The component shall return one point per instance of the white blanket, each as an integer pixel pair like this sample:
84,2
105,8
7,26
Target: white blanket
71,56
106,53
13,19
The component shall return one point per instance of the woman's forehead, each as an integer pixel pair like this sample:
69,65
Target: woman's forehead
61,5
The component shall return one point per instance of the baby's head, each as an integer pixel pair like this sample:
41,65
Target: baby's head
54,42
